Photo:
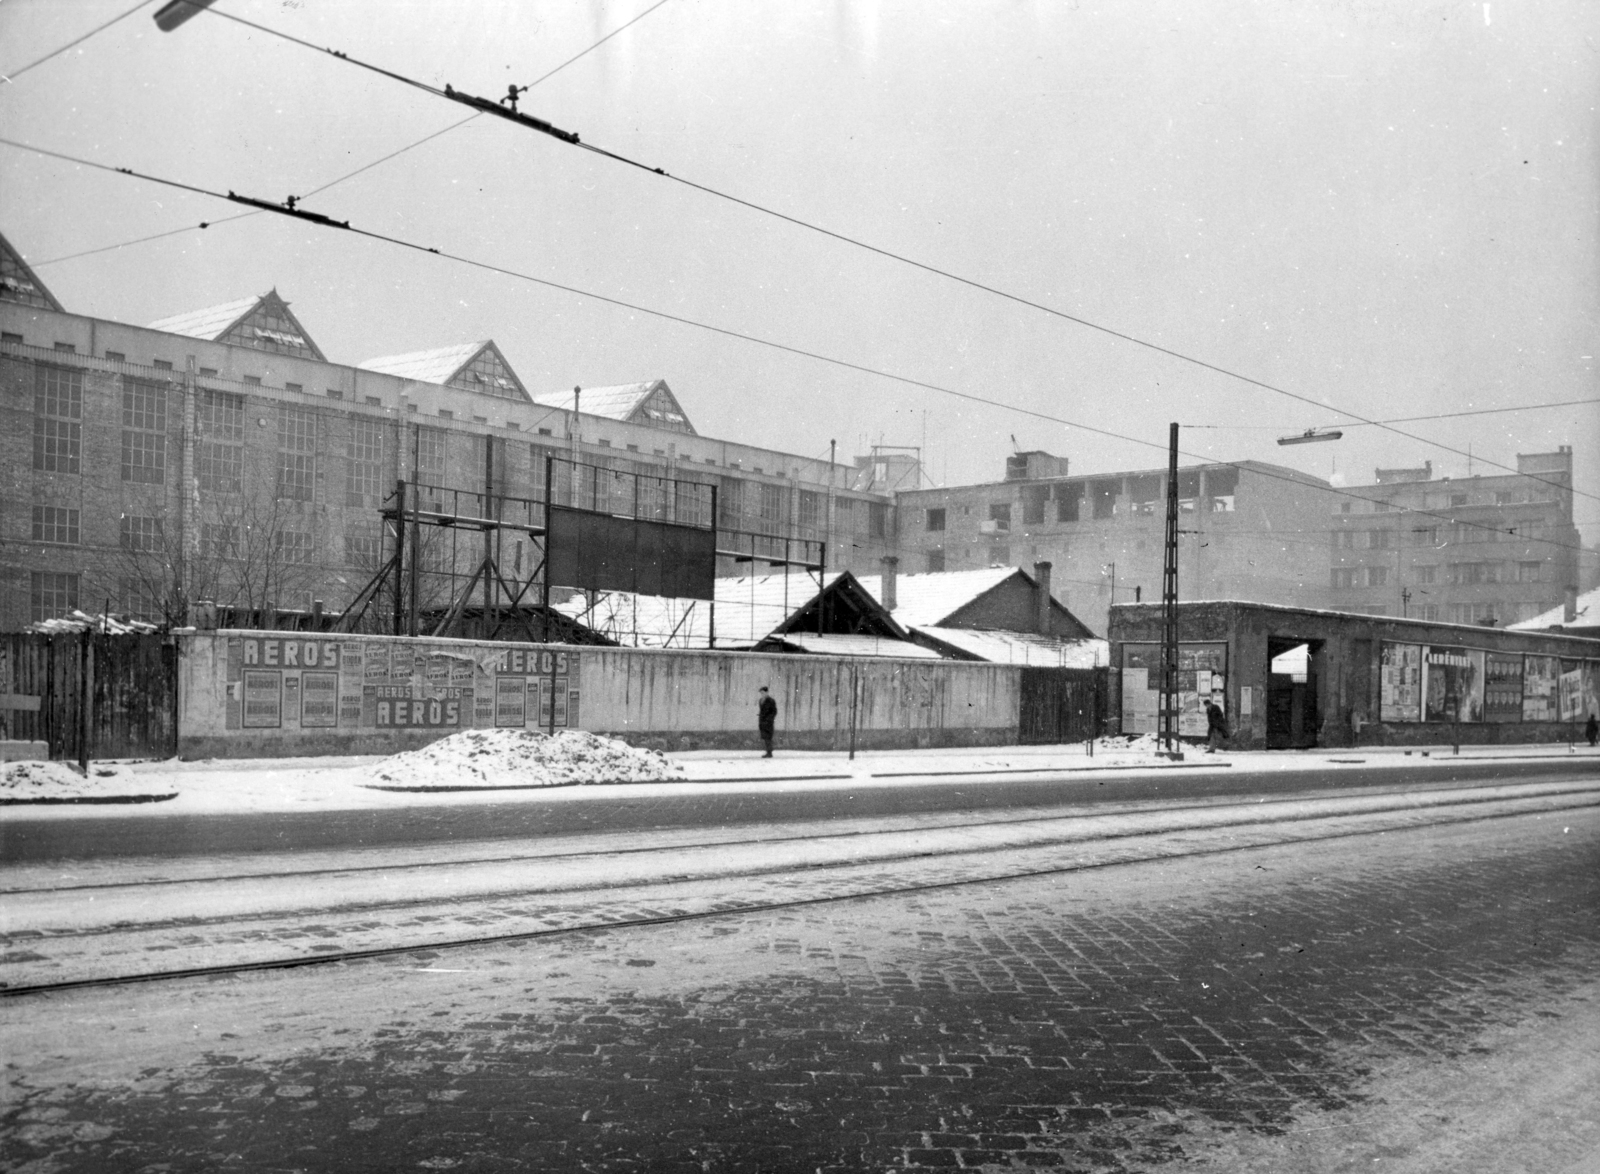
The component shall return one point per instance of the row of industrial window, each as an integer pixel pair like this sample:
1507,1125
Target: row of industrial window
1520,530
1457,574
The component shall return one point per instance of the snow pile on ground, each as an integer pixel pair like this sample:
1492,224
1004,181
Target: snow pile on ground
60,782
521,758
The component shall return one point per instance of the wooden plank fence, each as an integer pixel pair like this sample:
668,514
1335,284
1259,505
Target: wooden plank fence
99,696
1061,705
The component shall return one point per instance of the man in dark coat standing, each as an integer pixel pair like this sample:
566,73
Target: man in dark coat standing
766,719
1216,726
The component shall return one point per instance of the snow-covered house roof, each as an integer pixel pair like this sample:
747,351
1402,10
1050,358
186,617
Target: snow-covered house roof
778,611
263,323
468,366
19,283
1585,615
1026,648
923,600
651,404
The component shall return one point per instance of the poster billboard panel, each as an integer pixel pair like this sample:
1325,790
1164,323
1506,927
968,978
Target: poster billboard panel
292,682
1569,690
1452,683
1502,687
1540,676
1400,683
1202,677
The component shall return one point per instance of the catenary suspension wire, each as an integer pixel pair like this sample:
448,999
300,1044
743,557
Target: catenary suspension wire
573,139
845,364
100,28
359,170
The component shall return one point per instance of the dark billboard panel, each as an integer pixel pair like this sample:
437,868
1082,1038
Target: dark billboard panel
601,552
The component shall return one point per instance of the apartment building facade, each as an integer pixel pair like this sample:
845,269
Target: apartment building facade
1493,550
1249,531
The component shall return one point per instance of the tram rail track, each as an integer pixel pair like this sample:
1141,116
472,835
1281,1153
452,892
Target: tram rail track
675,897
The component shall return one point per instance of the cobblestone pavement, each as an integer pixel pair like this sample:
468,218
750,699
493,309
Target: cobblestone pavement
1124,1019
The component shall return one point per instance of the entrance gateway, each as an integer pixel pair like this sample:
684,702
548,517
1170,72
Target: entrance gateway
1293,721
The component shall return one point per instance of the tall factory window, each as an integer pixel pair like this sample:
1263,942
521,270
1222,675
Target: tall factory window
430,456
362,548
730,503
139,599
1067,499
1528,573
144,431
140,535
877,519
1033,499
1145,493
771,505
1345,576
292,546
935,519
365,468
55,524
810,506
297,453
1377,576
1222,485
51,594
57,419
1105,497
1378,539
1000,515
219,453
219,540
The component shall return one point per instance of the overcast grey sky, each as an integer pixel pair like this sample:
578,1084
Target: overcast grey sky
1388,206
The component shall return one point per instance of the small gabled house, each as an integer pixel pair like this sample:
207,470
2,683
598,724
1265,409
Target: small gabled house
1000,614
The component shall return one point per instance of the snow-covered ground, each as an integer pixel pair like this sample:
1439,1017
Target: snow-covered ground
61,782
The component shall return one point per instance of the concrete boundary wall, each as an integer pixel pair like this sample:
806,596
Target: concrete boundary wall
257,694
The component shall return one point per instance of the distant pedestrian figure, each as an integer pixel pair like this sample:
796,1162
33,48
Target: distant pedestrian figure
1592,730
766,719
1216,727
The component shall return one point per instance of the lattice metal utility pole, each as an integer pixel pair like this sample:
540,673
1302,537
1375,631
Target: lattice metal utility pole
1167,710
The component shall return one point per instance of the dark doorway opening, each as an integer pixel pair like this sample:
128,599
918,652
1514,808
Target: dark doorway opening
1293,715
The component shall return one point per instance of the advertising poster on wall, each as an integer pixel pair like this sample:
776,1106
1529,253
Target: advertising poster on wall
1202,677
1569,690
1591,689
294,682
1452,684
1540,676
1400,683
1502,687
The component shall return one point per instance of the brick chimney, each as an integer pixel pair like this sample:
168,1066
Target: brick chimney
1569,608
1041,574
890,599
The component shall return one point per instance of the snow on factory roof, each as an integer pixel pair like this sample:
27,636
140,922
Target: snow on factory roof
208,323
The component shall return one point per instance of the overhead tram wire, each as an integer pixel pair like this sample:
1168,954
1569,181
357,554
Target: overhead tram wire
546,76
76,41
289,209
573,139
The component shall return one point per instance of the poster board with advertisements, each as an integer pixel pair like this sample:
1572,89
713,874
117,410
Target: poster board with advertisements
1202,677
298,681
1540,679
1400,683
1502,687
1452,684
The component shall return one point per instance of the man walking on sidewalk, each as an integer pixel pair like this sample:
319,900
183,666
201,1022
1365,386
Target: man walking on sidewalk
766,719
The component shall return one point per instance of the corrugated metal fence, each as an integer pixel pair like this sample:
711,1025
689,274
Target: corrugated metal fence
115,695
1061,705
